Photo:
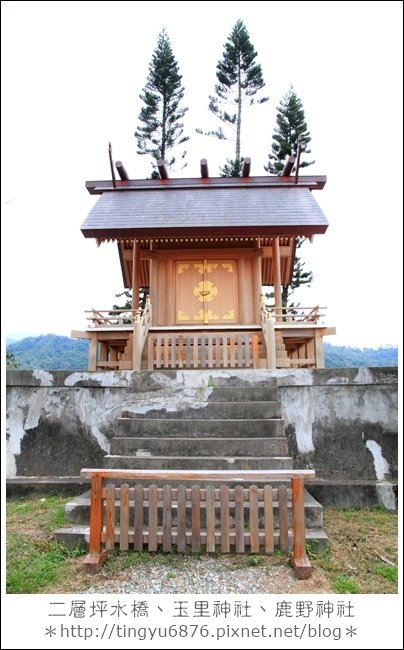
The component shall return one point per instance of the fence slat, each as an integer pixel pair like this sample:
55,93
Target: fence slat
203,352
180,351
124,518
283,519
181,519
195,352
225,351
196,518
152,545
110,517
217,351
232,352
239,517
173,351
255,353
224,519
167,518
138,519
247,351
254,537
268,520
239,340
158,351
165,339
210,351
210,519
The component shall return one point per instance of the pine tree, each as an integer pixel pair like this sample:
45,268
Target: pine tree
161,127
239,79
291,125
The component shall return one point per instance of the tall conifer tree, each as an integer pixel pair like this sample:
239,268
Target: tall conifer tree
239,80
290,126
161,127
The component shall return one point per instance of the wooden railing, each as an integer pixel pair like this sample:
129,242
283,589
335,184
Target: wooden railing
268,332
112,317
219,350
296,314
187,516
143,319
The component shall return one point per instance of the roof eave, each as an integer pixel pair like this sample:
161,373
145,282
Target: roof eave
239,231
310,182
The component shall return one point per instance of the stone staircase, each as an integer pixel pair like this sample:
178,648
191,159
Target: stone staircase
224,426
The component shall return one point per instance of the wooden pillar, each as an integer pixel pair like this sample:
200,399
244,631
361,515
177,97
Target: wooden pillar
276,260
242,290
104,351
135,274
96,556
299,559
154,297
257,288
169,293
319,348
92,352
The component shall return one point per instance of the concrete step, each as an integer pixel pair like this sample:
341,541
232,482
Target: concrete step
206,411
79,535
197,463
77,511
197,428
199,446
243,394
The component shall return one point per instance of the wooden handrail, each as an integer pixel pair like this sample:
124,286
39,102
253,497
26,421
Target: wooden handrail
258,475
297,314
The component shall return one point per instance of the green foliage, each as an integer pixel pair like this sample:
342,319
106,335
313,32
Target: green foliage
11,360
161,129
291,127
232,168
341,356
51,352
390,573
345,585
127,293
239,79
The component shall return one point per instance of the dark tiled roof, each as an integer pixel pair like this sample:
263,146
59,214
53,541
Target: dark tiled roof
225,210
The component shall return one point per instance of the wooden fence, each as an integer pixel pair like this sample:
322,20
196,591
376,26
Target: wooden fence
241,518
173,350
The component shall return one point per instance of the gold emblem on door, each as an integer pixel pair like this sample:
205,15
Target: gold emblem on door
205,291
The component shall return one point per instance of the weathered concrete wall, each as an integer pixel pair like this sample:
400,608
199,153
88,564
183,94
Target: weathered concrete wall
341,422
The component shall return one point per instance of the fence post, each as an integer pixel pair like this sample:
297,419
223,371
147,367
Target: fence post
96,557
298,557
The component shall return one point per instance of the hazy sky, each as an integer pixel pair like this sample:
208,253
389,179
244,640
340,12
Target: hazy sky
72,74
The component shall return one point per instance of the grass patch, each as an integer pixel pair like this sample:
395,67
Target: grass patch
390,573
363,541
345,585
357,538
34,560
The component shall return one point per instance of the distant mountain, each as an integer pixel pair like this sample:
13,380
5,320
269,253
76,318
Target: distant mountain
52,352
342,356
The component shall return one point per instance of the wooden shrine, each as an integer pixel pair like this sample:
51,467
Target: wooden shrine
206,249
